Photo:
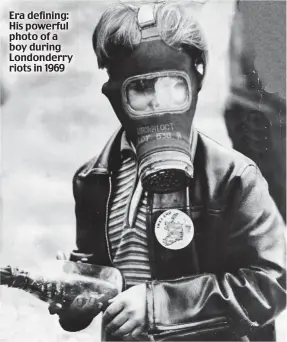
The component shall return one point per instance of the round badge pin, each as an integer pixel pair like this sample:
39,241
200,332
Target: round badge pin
174,229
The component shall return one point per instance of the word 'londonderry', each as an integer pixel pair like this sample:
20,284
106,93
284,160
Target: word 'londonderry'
40,58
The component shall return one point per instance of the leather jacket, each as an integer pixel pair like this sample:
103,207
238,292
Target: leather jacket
240,245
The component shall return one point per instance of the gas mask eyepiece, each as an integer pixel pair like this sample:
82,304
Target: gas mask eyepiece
155,93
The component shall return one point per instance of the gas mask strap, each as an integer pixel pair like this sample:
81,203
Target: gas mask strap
147,22
193,250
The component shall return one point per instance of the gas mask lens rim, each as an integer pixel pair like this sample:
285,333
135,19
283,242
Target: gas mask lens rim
156,93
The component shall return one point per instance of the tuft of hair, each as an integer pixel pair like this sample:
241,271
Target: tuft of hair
117,30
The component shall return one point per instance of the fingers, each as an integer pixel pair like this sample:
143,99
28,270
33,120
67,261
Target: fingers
93,302
125,329
79,302
113,310
61,256
126,313
117,322
135,335
88,303
55,308
112,300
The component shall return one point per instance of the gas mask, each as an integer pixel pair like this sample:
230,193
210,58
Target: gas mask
153,91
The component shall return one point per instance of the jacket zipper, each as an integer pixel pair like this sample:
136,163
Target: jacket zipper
106,221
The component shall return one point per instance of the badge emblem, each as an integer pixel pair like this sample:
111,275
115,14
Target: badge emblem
174,229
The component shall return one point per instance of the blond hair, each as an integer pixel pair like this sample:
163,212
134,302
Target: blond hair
118,30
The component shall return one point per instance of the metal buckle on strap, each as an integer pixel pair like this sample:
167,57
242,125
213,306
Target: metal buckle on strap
147,22
146,16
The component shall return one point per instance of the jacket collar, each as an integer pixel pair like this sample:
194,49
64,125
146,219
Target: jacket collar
116,148
127,148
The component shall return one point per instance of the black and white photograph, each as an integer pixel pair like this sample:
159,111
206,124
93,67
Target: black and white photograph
142,170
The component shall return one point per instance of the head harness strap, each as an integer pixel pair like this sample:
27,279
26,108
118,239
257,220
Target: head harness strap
147,22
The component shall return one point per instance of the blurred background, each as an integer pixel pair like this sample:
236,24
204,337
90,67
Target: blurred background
51,123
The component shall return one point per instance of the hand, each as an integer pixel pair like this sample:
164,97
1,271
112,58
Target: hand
56,308
87,304
80,313
126,315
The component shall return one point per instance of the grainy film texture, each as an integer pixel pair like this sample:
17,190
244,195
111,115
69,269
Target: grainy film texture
54,118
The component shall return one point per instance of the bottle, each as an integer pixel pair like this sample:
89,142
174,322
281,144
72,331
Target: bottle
62,281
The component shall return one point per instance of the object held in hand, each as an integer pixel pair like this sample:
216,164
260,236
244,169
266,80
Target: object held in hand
62,281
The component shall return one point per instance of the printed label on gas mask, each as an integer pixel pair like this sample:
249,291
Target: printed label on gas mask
174,229
155,128
163,131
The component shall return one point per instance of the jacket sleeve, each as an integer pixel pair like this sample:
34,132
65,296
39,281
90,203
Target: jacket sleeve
250,291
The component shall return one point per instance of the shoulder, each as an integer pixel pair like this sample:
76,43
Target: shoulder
85,168
105,162
80,176
220,159
224,172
